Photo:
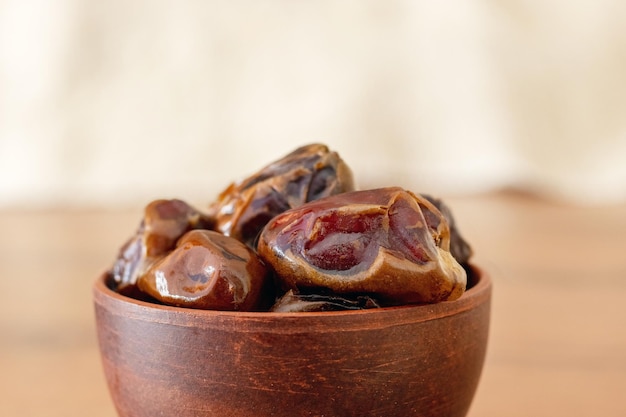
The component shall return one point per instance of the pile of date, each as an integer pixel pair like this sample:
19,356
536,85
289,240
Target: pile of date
296,237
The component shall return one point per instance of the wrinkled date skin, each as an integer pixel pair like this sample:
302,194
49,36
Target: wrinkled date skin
291,302
208,270
164,222
459,248
386,242
308,173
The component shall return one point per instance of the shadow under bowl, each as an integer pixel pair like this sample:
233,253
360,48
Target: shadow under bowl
421,360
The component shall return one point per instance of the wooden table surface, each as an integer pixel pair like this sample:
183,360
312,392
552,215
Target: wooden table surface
558,337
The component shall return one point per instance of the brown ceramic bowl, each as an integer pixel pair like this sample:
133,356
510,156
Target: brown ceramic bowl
399,361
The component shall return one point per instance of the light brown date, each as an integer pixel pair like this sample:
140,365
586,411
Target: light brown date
208,270
163,223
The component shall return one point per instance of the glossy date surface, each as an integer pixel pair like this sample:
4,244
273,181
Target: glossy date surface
386,242
296,230
208,270
306,174
163,223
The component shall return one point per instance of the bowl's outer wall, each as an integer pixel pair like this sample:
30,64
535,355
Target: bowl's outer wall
180,363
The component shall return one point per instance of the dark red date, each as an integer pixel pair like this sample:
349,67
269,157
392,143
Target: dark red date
387,242
306,174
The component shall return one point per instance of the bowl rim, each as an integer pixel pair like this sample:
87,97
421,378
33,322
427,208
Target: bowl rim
119,304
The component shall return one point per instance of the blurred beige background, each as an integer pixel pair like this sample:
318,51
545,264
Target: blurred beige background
106,105
123,101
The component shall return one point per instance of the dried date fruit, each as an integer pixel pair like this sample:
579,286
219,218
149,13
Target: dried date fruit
163,223
459,248
208,270
306,174
291,302
387,242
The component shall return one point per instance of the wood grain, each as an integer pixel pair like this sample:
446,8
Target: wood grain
557,344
